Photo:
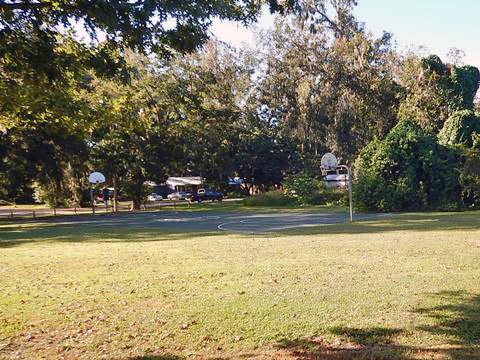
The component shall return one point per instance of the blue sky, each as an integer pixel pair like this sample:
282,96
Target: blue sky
437,24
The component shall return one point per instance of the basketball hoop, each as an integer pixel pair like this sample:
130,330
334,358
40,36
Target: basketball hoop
329,163
95,178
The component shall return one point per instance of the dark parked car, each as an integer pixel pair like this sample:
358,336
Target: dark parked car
204,194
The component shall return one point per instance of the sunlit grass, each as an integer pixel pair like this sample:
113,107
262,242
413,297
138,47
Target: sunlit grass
405,286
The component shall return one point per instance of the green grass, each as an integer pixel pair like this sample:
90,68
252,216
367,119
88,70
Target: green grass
401,287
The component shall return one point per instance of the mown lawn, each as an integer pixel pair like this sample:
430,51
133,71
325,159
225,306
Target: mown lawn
403,287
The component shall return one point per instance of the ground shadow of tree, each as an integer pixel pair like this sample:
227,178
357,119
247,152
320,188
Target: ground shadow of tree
352,343
73,233
457,319
157,357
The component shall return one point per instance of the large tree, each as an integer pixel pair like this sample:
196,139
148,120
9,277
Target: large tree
329,90
434,91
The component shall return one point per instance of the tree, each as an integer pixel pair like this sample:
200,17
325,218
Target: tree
145,26
16,172
131,141
456,56
328,92
434,90
138,25
262,158
48,122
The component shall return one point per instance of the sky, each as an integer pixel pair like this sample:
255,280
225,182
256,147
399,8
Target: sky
436,24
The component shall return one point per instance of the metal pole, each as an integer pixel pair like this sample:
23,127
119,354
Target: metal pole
92,200
349,172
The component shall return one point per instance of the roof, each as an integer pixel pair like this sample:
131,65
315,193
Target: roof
188,180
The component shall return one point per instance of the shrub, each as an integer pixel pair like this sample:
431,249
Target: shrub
309,190
271,198
408,170
303,187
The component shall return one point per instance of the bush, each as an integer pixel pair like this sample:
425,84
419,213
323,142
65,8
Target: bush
309,190
303,187
408,170
271,198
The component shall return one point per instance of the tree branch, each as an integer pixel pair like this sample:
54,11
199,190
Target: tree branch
23,6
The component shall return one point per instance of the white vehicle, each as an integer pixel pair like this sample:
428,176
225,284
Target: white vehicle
154,197
180,195
336,180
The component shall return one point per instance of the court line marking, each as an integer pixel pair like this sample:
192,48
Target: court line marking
273,227
333,219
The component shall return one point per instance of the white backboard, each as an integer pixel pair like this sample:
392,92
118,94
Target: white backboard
96,178
329,161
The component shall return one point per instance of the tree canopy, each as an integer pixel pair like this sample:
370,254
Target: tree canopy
147,95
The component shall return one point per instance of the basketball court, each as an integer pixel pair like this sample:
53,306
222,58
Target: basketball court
235,222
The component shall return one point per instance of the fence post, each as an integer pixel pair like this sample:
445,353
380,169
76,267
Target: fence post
54,211
33,213
75,209
11,214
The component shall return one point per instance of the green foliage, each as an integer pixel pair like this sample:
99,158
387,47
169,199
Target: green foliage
408,170
460,129
139,25
326,93
435,91
270,198
302,186
465,80
470,178
309,190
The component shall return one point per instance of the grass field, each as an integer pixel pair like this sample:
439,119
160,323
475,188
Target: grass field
403,287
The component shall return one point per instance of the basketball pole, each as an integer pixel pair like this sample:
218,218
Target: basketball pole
92,199
349,172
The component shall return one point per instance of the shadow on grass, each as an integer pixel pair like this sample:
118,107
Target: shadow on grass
157,357
456,319
352,343
43,234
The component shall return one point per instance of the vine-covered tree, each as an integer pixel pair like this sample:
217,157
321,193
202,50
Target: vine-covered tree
434,90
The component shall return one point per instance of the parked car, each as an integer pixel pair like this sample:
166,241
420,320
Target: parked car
154,197
179,195
204,194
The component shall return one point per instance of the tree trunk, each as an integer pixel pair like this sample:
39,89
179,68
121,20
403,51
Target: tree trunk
136,203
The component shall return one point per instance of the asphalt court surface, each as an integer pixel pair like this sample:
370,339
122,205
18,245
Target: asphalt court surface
238,222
